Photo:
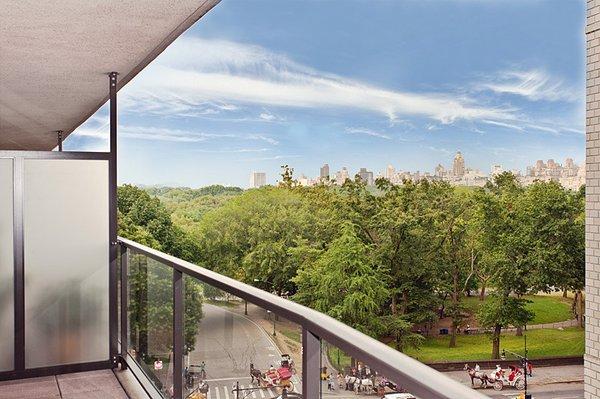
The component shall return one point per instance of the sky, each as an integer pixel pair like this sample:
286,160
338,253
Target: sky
256,84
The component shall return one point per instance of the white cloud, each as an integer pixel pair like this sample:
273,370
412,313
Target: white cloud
267,117
167,134
503,124
228,72
534,85
233,151
368,132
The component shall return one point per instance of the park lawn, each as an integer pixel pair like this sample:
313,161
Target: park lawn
338,358
540,343
547,308
294,335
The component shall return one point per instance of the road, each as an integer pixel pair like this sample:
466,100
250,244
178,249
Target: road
552,391
228,342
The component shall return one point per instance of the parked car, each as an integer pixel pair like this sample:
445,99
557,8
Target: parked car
398,395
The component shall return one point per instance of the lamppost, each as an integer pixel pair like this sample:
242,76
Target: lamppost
272,318
524,362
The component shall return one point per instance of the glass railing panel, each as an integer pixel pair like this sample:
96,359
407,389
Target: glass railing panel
150,316
65,233
343,374
235,349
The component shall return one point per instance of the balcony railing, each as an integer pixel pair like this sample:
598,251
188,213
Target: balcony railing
173,339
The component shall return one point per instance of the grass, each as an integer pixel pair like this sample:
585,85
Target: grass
294,335
226,304
338,358
540,343
547,308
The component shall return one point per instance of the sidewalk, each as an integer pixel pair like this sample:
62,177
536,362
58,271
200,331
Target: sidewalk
541,375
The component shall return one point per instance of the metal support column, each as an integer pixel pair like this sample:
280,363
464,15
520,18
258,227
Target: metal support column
112,201
19,270
178,310
59,139
124,300
311,365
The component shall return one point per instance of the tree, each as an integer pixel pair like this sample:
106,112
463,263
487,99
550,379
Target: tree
554,223
401,331
398,223
345,284
500,311
144,219
508,253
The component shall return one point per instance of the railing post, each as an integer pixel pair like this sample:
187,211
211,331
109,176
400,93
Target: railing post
112,225
311,365
124,300
177,334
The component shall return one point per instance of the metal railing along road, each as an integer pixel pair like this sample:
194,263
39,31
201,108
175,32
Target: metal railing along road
417,378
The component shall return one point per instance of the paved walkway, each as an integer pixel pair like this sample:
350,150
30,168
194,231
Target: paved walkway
541,375
101,384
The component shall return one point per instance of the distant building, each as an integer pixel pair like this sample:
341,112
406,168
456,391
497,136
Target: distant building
324,172
569,175
458,166
390,173
366,176
341,176
258,179
496,170
440,171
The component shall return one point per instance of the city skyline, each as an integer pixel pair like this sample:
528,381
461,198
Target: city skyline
457,172
231,96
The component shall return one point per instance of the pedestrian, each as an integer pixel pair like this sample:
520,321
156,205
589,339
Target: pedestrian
330,382
340,378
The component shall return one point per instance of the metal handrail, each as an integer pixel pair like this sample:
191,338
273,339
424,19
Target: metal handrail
412,375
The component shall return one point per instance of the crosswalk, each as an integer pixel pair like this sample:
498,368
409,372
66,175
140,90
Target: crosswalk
226,392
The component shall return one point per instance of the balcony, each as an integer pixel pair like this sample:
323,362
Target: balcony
81,303
85,313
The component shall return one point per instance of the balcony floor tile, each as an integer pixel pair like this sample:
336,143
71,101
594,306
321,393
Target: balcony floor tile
101,384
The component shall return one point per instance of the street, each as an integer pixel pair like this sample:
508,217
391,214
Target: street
228,342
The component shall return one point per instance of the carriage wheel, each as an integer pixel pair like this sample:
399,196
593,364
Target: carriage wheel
520,384
498,385
289,385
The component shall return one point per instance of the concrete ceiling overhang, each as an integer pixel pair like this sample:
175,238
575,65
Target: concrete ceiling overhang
55,57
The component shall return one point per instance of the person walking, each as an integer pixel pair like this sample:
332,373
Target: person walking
330,386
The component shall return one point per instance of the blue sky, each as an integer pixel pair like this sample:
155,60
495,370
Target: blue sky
260,83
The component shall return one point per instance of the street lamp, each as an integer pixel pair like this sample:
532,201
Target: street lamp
524,362
272,318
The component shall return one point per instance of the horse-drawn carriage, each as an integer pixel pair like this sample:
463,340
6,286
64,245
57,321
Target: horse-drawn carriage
499,378
273,377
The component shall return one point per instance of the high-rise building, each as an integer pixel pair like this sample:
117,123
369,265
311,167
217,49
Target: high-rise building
366,176
458,166
390,173
258,179
440,171
324,173
341,176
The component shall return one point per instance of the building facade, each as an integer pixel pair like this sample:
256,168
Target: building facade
258,179
324,172
592,204
458,166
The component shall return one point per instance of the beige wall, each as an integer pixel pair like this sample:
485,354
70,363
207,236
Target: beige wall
592,351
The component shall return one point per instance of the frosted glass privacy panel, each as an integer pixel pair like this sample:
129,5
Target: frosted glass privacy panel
6,265
66,261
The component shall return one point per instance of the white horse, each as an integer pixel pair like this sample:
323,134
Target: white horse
351,381
364,385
